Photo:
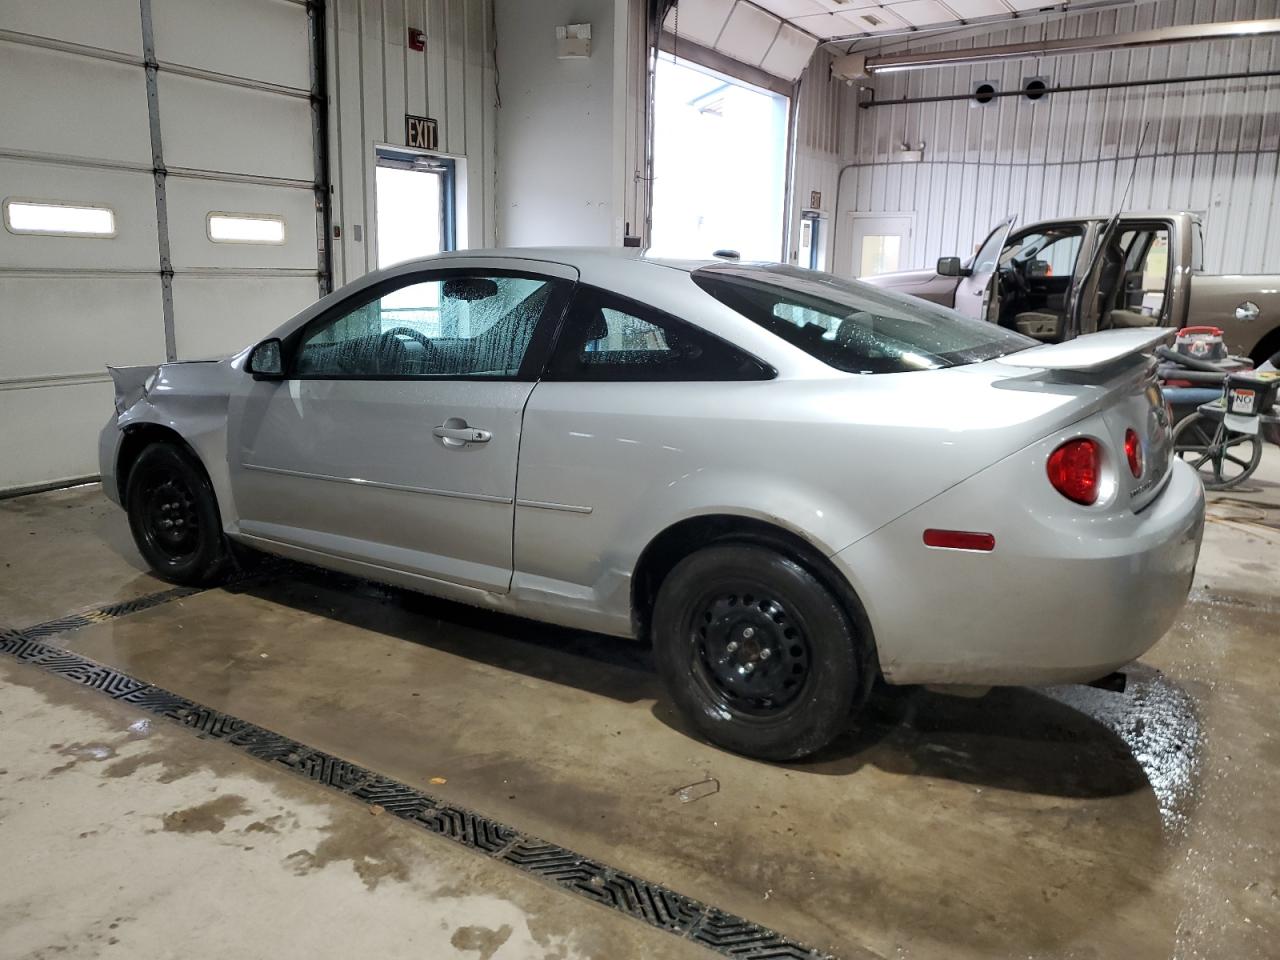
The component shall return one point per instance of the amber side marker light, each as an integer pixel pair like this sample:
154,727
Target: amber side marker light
959,540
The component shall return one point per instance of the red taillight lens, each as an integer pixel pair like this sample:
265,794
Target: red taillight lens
1133,451
1075,470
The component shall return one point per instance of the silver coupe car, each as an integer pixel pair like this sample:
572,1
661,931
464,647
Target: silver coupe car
789,483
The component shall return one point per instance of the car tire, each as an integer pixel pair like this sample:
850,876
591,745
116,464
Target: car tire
717,612
173,516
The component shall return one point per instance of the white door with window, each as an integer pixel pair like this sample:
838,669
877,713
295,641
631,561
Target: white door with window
881,244
393,438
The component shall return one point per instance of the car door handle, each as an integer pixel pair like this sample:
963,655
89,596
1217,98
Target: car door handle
455,434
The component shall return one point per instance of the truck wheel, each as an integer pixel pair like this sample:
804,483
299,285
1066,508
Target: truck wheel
174,518
757,654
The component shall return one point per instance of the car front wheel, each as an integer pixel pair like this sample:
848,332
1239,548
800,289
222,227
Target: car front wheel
174,518
757,653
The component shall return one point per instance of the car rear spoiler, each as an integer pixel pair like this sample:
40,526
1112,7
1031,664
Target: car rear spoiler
130,384
1092,351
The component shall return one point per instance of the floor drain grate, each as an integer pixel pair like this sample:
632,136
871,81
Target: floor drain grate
618,890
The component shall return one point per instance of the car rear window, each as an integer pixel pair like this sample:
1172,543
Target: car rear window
852,326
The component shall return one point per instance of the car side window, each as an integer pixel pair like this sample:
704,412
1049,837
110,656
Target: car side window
457,325
607,337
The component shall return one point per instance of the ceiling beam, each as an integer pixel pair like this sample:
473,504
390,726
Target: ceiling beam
855,66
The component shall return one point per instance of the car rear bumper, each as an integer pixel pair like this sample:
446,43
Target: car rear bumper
1063,597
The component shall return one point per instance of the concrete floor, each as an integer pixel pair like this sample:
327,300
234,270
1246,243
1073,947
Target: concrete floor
1068,822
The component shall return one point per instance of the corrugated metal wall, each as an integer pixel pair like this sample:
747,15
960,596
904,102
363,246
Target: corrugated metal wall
821,109
1212,147
375,80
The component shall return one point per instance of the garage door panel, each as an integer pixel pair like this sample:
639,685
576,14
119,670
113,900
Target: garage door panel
71,414
214,126
194,33
85,322
217,317
85,107
191,202
108,24
130,196
72,303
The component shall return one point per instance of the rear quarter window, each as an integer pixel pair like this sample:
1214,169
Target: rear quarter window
854,327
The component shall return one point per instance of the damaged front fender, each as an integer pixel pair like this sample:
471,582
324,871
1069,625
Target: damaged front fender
132,384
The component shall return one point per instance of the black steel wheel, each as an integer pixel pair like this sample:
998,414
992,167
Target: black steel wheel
752,658
1221,456
757,653
174,517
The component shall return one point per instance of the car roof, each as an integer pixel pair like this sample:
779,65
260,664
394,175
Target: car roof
579,257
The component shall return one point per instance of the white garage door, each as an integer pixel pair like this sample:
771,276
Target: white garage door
150,213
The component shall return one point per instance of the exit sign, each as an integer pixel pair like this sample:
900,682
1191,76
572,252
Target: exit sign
420,132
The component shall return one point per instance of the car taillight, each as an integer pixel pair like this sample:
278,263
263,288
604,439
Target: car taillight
1133,451
1075,470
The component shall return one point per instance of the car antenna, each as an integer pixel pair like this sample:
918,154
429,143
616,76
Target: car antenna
1137,155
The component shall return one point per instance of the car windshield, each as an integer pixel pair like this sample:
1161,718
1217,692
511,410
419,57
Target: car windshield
852,326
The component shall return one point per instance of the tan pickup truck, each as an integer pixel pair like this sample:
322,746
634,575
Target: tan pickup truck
1056,279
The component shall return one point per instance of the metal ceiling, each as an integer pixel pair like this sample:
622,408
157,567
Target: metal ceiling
744,31
779,35
855,19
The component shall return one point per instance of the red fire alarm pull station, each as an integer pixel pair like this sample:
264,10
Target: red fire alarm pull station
417,40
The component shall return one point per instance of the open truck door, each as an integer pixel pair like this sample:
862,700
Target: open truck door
973,294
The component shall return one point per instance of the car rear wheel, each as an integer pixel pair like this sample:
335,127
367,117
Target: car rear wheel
174,518
757,653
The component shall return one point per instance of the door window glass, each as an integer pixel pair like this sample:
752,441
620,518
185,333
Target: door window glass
414,206
455,326
879,254
611,338
984,261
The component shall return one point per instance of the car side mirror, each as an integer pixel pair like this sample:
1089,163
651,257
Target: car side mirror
266,360
950,267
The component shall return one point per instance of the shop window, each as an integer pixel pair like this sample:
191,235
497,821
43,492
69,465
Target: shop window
245,228
56,218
